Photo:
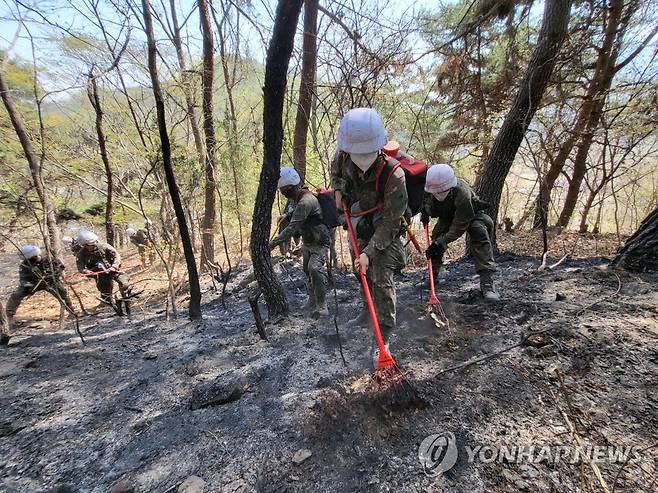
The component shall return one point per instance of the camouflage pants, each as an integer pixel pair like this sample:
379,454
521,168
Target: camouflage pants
4,324
478,241
380,276
105,285
145,250
314,259
58,290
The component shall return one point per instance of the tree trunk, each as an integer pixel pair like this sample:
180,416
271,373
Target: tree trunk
208,232
640,253
586,122
604,73
276,71
185,81
586,209
229,83
554,27
94,99
53,245
193,275
306,86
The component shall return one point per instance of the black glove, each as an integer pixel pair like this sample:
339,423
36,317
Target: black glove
424,218
436,250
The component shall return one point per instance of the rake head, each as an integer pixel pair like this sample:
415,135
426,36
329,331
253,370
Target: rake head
395,390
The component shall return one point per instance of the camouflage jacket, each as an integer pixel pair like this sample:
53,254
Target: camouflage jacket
103,253
306,219
383,226
30,272
456,212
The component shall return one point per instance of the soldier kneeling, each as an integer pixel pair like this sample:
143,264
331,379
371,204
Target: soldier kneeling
102,261
459,211
36,273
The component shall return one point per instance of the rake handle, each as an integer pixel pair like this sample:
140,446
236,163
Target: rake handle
433,298
366,289
412,236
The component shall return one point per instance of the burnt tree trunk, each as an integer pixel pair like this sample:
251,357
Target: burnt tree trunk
193,275
640,253
53,245
496,168
307,85
208,226
276,74
94,99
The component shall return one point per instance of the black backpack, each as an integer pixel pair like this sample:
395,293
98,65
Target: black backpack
327,199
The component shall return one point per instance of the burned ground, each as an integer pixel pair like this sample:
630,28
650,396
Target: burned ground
119,407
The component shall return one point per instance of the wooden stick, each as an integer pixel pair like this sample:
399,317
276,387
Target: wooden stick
260,326
575,434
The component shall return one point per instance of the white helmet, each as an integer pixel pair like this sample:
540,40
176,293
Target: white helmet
131,231
289,176
67,239
29,251
361,131
86,237
440,179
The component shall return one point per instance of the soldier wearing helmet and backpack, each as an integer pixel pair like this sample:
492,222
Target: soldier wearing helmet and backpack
102,261
373,186
308,220
459,211
36,273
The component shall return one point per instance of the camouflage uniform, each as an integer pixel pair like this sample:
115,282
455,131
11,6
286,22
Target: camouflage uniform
290,244
104,257
462,212
141,240
378,233
4,326
306,220
34,276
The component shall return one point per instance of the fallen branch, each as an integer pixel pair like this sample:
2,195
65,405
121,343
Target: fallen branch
253,303
574,431
474,361
544,262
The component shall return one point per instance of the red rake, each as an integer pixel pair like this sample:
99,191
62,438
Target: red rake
433,298
387,373
433,302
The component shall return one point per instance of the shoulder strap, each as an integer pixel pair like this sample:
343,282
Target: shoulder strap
382,178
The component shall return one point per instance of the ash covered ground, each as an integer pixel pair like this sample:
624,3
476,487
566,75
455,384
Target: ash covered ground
124,408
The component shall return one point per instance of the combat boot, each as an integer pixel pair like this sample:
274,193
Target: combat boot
487,286
311,302
322,309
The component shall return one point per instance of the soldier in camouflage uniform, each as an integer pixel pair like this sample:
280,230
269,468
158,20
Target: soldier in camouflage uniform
36,273
4,326
307,220
140,238
101,257
377,210
459,211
